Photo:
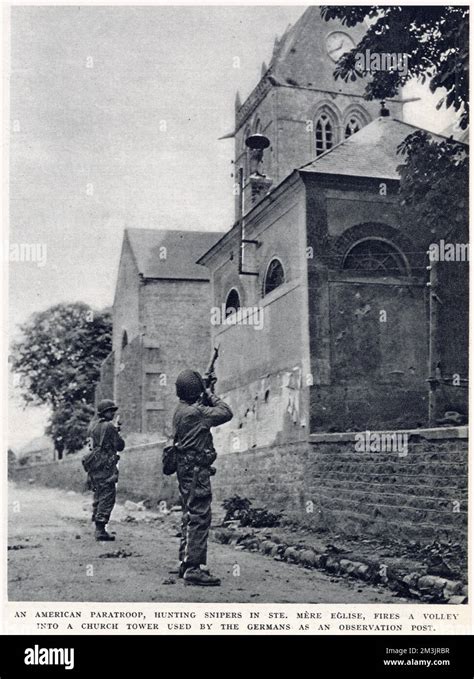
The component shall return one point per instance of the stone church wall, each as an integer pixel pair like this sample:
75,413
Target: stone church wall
176,315
453,291
105,386
368,334
129,386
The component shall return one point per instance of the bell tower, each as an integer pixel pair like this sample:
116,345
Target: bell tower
298,106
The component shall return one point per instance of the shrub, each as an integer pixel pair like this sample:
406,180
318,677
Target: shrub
240,509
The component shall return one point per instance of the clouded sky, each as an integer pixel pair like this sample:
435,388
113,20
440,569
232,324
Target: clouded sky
116,114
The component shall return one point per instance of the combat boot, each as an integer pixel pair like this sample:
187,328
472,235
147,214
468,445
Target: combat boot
183,566
101,534
182,569
201,577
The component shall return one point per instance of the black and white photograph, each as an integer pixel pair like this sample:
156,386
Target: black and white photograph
238,310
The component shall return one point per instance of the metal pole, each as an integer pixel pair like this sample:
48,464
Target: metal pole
433,348
241,219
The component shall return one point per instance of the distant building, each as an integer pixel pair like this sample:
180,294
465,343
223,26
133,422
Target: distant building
161,324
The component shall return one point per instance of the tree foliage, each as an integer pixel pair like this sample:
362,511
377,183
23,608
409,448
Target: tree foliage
435,40
58,358
434,185
68,426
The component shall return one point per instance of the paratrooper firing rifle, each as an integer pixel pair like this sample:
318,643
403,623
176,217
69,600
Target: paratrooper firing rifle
209,376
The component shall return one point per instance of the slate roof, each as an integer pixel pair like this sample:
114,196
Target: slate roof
183,249
371,152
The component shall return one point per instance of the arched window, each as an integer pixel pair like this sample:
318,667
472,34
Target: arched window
274,277
373,256
353,125
124,339
232,303
324,134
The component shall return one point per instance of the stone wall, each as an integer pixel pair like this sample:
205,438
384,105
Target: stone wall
176,314
368,335
129,387
378,354
328,485
105,386
453,287
263,369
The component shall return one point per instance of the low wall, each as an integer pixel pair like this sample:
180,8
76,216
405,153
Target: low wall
140,475
327,484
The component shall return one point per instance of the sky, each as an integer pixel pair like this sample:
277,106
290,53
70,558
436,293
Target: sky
115,116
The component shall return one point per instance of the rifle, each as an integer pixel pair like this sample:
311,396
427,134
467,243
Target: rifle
209,377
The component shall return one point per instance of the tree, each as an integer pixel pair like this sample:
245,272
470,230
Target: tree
434,186
68,426
58,358
434,39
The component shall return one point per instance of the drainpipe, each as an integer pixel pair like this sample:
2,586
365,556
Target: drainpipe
434,378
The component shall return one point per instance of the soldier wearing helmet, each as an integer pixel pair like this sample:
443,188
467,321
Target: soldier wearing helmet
198,410
106,440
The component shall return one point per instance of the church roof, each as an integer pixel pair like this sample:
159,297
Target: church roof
371,152
454,131
183,249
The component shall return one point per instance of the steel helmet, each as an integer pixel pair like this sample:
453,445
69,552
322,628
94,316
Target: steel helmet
104,405
189,385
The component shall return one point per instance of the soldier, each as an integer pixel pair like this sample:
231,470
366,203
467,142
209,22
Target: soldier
107,441
198,410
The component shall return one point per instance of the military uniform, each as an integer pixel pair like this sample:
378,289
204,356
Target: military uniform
192,423
103,480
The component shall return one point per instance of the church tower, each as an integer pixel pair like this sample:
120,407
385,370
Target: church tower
299,105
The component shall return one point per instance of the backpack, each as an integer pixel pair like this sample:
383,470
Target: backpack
169,460
91,461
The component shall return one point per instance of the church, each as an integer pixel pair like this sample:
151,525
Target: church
321,246
160,318
336,272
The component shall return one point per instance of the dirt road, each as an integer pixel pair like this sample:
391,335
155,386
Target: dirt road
53,557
